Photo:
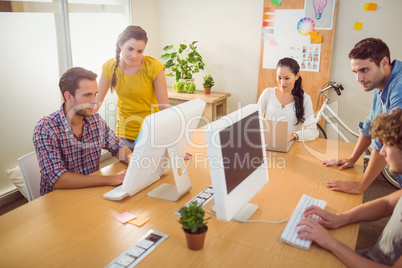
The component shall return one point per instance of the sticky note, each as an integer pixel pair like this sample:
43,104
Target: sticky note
272,42
313,35
269,9
317,39
370,6
276,2
139,220
358,26
125,217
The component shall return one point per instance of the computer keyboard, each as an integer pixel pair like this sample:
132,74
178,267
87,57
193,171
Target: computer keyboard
139,250
202,198
289,235
117,193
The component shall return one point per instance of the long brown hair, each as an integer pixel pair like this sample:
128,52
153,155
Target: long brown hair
297,91
131,32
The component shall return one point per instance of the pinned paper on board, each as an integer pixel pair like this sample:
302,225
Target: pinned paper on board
370,6
305,26
315,38
311,57
358,26
321,11
277,2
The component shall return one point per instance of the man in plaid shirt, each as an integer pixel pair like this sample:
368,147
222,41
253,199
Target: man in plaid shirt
68,142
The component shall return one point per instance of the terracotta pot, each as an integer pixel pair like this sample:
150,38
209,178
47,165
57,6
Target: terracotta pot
195,241
207,90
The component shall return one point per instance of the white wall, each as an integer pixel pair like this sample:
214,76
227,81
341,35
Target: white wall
354,104
229,36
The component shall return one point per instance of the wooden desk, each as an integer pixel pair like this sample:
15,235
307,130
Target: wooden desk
216,102
75,228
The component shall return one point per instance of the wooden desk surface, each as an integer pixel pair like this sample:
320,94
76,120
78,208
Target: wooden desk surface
208,98
75,228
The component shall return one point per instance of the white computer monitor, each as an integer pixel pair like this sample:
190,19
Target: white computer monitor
161,145
237,162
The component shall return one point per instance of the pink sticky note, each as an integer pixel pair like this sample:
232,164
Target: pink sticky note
272,42
125,217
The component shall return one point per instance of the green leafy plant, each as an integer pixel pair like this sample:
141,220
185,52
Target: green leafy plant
183,63
208,81
184,87
192,218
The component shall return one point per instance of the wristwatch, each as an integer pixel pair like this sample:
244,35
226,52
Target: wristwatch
294,136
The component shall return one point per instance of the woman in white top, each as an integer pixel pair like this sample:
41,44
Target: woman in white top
288,102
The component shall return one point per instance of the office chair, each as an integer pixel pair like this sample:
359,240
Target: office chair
31,174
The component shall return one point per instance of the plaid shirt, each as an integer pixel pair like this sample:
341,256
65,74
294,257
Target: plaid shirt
58,149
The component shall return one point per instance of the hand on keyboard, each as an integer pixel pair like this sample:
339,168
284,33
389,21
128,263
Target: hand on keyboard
325,218
314,231
290,234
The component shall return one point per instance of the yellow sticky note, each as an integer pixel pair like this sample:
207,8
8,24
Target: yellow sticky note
370,6
139,221
318,39
313,35
358,26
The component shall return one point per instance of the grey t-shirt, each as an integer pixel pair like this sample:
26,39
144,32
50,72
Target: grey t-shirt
388,248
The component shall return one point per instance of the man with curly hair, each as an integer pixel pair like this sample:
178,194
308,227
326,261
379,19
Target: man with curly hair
387,128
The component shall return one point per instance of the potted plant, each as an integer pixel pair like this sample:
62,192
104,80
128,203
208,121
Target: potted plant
183,63
208,83
194,225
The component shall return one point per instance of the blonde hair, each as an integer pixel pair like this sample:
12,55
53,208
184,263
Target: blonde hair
387,128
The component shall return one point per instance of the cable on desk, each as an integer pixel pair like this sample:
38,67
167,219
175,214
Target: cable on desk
251,221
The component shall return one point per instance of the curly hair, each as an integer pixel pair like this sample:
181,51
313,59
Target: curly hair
131,32
373,49
297,91
387,128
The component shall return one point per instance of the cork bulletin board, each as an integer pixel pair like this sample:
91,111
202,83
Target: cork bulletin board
311,47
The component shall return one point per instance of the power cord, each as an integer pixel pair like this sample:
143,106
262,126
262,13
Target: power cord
251,221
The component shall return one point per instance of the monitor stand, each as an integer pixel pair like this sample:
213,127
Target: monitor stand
168,191
243,215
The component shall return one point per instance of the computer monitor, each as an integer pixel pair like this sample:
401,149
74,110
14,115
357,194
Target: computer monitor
237,162
161,145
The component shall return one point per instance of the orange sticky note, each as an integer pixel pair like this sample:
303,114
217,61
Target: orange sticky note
370,6
140,220
313,35
358,26
318,39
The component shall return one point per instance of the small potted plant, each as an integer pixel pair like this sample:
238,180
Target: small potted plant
194,225
184,62
208,83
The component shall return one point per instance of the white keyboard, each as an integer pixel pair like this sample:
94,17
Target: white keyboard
202,198
289,235
116,194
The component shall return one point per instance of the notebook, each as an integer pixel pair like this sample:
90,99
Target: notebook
276,135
